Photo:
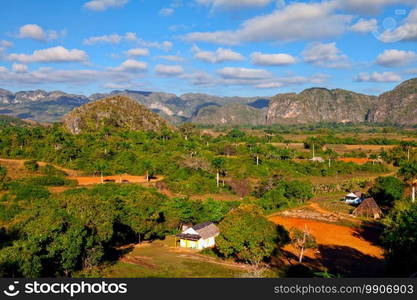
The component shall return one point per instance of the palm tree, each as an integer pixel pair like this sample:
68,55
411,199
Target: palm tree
330,154
408,172
218,164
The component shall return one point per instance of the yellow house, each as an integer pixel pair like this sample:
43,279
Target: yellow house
199,237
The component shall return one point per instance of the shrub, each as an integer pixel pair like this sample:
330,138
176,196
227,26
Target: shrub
31,165
387,190
247,235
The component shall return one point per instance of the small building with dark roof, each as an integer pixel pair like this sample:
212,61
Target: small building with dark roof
199,237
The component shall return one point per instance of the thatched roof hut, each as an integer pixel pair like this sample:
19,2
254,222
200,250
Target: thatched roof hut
369,209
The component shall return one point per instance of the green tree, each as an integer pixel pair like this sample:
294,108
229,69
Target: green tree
298,191
187,129
218,164
331,155
387,190
408,172
399,240
247,235
3,178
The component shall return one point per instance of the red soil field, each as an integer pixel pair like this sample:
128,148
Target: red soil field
331,235
359,161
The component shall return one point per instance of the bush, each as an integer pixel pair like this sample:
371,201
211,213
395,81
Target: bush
3,178
31,165
399,240
51,181
27,191
387,190
298,191
50,170
247,235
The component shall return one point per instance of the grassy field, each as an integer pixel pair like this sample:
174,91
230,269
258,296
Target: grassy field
161,259
332,203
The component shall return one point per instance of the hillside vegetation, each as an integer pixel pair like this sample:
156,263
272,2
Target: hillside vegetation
115,112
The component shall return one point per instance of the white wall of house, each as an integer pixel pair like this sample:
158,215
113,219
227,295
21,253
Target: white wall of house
200,244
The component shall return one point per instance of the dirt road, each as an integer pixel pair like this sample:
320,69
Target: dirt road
90,180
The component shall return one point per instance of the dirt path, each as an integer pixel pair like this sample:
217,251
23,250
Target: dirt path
90,180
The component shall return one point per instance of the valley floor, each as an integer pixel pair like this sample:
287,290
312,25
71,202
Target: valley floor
346,245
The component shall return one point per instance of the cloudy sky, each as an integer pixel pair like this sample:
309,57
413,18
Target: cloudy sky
222,47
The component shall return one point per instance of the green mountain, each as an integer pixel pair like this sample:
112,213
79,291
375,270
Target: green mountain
113,112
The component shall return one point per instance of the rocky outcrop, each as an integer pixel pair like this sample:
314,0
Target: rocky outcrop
398,106
230,115
319,105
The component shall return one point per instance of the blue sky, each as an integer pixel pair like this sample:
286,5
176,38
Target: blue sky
221,47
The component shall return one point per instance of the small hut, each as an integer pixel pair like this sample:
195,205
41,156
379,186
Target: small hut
369,209
200,236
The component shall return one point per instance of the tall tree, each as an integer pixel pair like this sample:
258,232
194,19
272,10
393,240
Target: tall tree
408,172
218,164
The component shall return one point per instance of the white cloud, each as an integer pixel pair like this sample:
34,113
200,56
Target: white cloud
3,69
370,6
200,78
137,52
280,59
396,58
130,37
55,54
48,76
131,65
365,26
292,80
5,44
325,55
102,5
165,45
19,68
218,56
234,3
378,77
109,39
256,78
405,32
169,70
295,21
166,12
37,33
118,86
243,73
175,58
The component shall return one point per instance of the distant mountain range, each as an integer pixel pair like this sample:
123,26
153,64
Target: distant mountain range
398,106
